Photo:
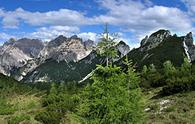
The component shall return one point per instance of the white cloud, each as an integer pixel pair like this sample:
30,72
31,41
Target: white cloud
144,17
136,16
48,33
1,12
190,4
5,36
89,35
64,17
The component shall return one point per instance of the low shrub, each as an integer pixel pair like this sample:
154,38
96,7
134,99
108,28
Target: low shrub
18,119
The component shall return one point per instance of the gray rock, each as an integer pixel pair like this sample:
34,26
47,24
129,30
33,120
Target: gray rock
31,47
123,48
62,48
11,58
154,40
189,46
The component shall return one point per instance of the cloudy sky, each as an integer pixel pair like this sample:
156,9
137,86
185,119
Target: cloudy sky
131,19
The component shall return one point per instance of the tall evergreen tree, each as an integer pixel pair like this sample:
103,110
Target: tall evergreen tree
169,69
106,46
114,97
153,76
186,68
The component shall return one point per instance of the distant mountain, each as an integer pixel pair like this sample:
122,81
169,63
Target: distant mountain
63,71
30,47
72,59
18,57
16,53
67,49
160,47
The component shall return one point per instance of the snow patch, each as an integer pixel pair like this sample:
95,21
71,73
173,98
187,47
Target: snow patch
186,51
87,77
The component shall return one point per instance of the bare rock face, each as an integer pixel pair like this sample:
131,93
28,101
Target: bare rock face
67,49
123,49
31,47
16,53
189,46
154,40
89,44
10,58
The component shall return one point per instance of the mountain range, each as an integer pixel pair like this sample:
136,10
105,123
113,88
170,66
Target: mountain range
72,59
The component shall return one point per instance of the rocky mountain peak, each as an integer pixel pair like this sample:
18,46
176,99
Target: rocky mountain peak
89,44
67,49
74,37
10,41
123,48
16,53
189,39
161,33
189,47
154,39
11,58
144,41
30,47
57,41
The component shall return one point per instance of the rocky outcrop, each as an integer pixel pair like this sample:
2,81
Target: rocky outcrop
89,44
30,47
11,58
154,40
15,54
189,46
67,49
123,48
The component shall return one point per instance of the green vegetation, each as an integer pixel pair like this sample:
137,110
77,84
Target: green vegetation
67,71
173,80
17,119
160,54
100,101
18,102
106,46
60,101
114,97
173,109
162,92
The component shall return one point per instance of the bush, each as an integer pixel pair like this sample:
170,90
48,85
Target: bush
57,103
18,119
177,85
48,117
150,77
5,108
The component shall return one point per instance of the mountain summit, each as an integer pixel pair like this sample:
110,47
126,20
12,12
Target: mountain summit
162,46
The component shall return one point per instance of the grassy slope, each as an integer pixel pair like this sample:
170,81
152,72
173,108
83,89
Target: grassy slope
17,100
20,100
179,110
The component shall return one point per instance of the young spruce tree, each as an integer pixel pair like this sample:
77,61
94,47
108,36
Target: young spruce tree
106,46
113,97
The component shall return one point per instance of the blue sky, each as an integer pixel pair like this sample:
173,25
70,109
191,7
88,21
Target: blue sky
131,19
